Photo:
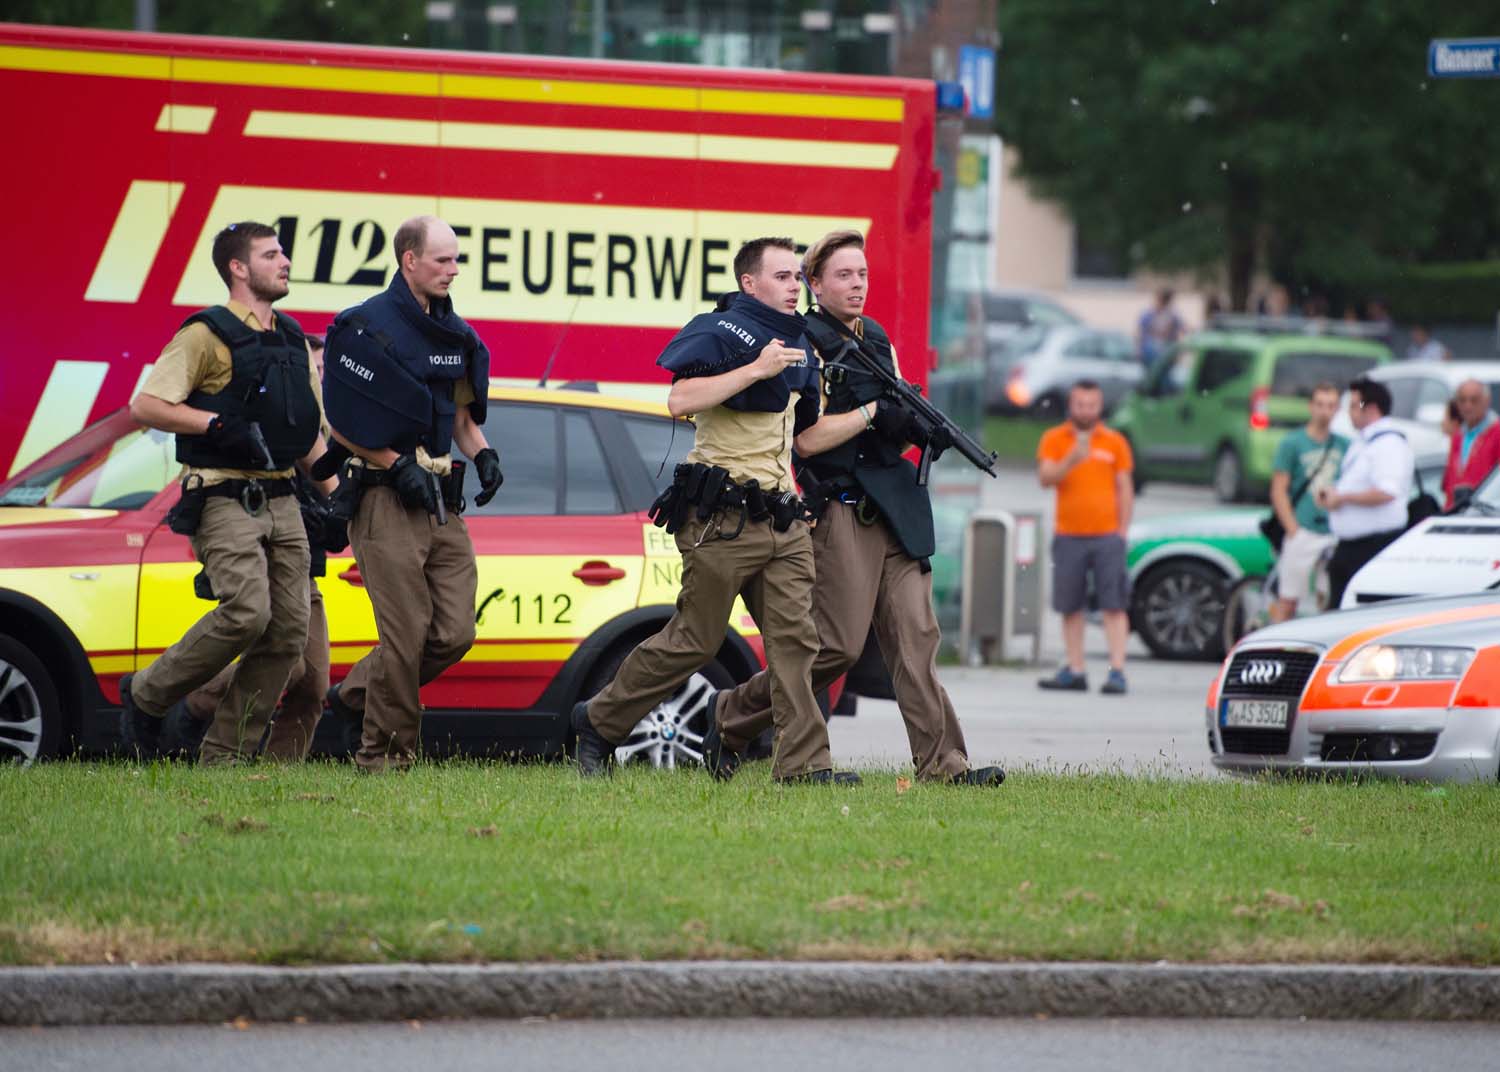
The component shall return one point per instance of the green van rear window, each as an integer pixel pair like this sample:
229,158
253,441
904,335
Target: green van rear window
1298,372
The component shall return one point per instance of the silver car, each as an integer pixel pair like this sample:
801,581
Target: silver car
1406,689
1032,372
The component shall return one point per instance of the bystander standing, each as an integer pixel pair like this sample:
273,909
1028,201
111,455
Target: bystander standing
1474,448
1306,462
1367,504
1423,347
1090,466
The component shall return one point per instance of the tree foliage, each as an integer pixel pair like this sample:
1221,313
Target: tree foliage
372,22
1302,138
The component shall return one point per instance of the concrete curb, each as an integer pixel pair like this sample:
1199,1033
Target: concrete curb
212,993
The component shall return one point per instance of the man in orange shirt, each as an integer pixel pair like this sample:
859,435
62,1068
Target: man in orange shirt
1090,467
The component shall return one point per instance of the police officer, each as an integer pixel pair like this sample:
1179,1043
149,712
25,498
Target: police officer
873,541
741,372
405,379
236,386
296,720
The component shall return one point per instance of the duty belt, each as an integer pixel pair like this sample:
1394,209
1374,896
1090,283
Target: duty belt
252,494
452,485
707,489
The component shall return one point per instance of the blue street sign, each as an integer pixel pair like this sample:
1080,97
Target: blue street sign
1469,57
976,70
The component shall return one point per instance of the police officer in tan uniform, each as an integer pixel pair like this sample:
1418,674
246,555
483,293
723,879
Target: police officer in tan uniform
406,378
296,719
872,541
237,387
741,372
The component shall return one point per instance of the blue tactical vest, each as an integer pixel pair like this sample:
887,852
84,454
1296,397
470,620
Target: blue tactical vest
269,383
733,336
390,370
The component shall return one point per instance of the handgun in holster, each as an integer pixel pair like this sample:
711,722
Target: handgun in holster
185,517
713,489
453,487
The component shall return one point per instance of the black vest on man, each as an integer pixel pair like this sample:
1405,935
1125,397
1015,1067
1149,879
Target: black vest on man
869,460
390,370
269,384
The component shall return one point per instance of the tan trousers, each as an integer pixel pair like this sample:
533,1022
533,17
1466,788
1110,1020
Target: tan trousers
296,720
421,580
713,573
865,575
258,569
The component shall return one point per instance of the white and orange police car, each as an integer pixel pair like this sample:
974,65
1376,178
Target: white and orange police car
572,575
1408,688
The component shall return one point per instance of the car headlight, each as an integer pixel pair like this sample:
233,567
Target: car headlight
1405,662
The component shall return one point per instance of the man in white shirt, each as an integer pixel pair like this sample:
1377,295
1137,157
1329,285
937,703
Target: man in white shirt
1367,503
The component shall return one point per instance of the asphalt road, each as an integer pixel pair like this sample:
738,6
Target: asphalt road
732,1045
1158,727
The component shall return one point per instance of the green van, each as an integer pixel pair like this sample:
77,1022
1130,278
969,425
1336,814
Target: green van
1215,407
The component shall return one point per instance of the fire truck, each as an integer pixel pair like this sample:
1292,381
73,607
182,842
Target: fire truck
598,204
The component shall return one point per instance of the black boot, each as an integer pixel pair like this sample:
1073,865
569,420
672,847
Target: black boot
720,760
822,777
594,755
980,776
139,731
352,721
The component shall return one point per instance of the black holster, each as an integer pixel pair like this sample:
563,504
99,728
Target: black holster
185,517
705,490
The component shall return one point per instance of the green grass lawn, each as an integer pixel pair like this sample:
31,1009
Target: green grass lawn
1014,437
112,862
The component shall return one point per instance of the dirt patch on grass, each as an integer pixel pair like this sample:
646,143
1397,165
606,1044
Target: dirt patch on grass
53,942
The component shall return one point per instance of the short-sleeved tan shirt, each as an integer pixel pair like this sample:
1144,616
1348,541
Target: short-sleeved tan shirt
748,445
198,360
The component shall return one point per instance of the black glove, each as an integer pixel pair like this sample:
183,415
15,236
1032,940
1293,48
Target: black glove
335,536
413,484
893,421
932,438
487,466
239,439
325,529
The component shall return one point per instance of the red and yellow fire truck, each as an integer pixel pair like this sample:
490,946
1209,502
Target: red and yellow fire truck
598,204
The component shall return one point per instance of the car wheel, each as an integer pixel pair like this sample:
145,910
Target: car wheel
1247,609
671,734
1048,407
31,715
1229,476
1178,609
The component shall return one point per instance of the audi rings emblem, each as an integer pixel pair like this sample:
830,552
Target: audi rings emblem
1262,672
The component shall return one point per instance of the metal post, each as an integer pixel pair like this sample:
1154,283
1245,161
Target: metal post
145,15
597,49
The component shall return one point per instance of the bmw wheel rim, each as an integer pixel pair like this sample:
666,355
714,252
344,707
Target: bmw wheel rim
20,716
671,734
1183,612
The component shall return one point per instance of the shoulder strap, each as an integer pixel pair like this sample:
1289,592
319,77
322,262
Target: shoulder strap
291,329
874,330
824,336
1316,469
228,327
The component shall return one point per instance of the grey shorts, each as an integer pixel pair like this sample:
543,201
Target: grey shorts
1076,560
